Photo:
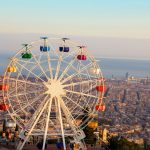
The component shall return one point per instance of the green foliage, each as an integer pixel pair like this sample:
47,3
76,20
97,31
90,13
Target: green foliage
89,132
116,143
4,125
17,128
90,136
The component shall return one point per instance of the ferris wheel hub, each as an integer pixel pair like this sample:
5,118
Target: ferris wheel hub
54,88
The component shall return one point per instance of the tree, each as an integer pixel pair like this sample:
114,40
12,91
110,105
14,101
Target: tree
90,136
4,125
89,132
120,143
17,128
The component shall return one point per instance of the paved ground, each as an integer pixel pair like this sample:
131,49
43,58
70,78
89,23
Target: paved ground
53,147
50,147
3,148
6,147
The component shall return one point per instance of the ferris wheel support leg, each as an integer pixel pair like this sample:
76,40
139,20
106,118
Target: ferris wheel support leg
75,129
47,121
37,119
61,123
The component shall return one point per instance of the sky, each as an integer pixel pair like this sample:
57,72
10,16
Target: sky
111,28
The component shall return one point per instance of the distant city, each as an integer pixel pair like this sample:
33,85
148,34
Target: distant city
111,67
128,108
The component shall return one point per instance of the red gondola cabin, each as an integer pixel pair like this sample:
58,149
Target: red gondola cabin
81,57
101,107
101,88
4,87
4,106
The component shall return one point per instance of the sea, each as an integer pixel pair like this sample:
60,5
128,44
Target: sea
111,67
119,67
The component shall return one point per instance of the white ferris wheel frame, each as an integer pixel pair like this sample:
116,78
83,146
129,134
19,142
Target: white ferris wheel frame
46,104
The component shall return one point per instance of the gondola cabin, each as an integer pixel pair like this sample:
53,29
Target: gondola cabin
81,57
102,79
4,107
100,107
101,88
4,98
93,124
3,134
76,146
10,124
4,87
44,48
9,136
94,70
16,134
64,49
26,55
11,69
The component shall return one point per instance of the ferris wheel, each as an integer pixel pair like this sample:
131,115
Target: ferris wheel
53,87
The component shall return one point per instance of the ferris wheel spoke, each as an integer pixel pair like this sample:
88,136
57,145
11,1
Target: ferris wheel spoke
20,74
26,93
54,50
28,74
42,73
70,54
14,89
49,65
25,81
41,121
61,122
80,93
29,104
78,83
38,109
69,116
71,66
75,74
31,69
67,68
40,66
91,87
29,62
47,122
76,103
58,66
34,122
32,72
83,102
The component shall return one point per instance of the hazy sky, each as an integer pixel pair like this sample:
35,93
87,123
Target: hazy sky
114,24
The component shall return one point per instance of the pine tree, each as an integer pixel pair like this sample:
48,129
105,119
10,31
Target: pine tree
17,128
89,132
4,125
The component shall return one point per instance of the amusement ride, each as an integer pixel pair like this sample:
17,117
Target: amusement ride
52,88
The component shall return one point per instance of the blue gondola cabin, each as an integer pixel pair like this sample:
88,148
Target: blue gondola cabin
64,49
44,48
